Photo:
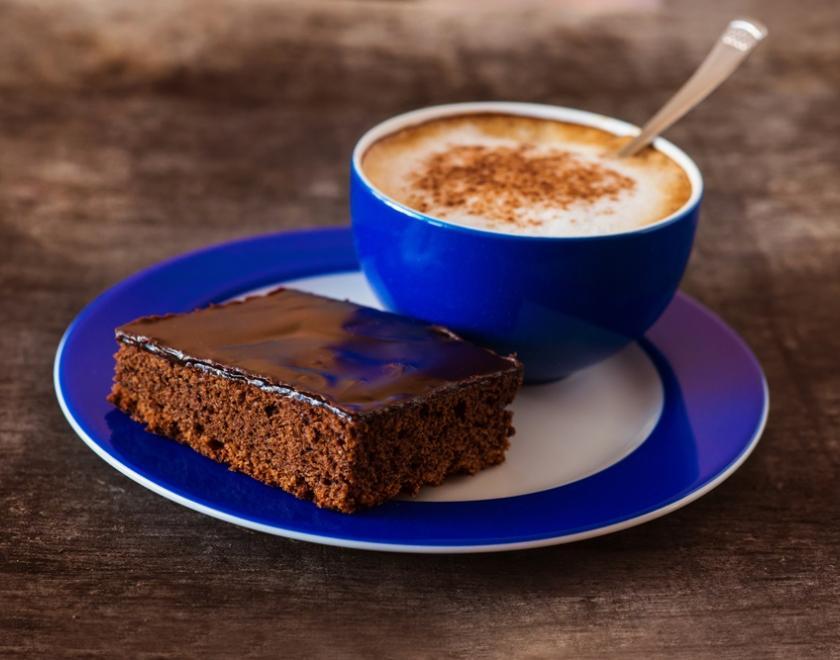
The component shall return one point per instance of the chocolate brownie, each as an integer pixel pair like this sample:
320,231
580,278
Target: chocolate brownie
341,404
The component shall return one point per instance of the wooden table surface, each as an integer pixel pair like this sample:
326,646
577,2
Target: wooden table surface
131,132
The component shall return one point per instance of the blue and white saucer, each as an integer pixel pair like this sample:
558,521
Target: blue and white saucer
631,439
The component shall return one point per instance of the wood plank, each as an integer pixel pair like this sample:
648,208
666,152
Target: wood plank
133,132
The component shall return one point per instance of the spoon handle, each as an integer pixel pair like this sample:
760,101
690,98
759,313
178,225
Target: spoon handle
738,40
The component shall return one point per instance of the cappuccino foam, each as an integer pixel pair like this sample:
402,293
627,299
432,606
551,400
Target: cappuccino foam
525,175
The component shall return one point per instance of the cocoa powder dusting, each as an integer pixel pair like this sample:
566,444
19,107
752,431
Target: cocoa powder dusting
502,183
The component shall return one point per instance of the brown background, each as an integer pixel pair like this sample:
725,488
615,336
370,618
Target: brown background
130,132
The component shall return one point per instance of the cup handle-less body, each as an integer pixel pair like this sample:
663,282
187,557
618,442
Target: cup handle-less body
559,303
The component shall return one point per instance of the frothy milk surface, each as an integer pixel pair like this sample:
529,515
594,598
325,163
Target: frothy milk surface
524,175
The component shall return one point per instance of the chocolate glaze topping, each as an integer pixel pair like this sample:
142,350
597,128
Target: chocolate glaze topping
351,358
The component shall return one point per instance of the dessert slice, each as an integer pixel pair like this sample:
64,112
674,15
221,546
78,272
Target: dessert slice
341,404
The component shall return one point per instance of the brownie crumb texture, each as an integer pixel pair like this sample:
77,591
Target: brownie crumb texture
339,461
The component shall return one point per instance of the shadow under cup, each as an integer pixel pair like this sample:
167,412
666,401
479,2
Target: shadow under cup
559,303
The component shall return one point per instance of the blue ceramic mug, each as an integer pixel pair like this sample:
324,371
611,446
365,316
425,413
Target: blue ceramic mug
559,303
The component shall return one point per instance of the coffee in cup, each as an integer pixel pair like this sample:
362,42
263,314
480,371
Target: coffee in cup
517,174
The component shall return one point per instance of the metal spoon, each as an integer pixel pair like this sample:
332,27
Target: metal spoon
738,40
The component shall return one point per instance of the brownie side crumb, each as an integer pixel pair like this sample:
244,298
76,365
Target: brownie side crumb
460,431
339,462
304,449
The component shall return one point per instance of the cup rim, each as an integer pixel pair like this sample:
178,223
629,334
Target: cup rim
541,111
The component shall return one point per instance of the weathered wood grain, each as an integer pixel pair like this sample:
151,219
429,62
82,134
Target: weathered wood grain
130,132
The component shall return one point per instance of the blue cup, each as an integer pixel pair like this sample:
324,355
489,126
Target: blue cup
559,303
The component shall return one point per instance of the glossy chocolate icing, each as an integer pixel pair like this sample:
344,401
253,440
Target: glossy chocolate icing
351,358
